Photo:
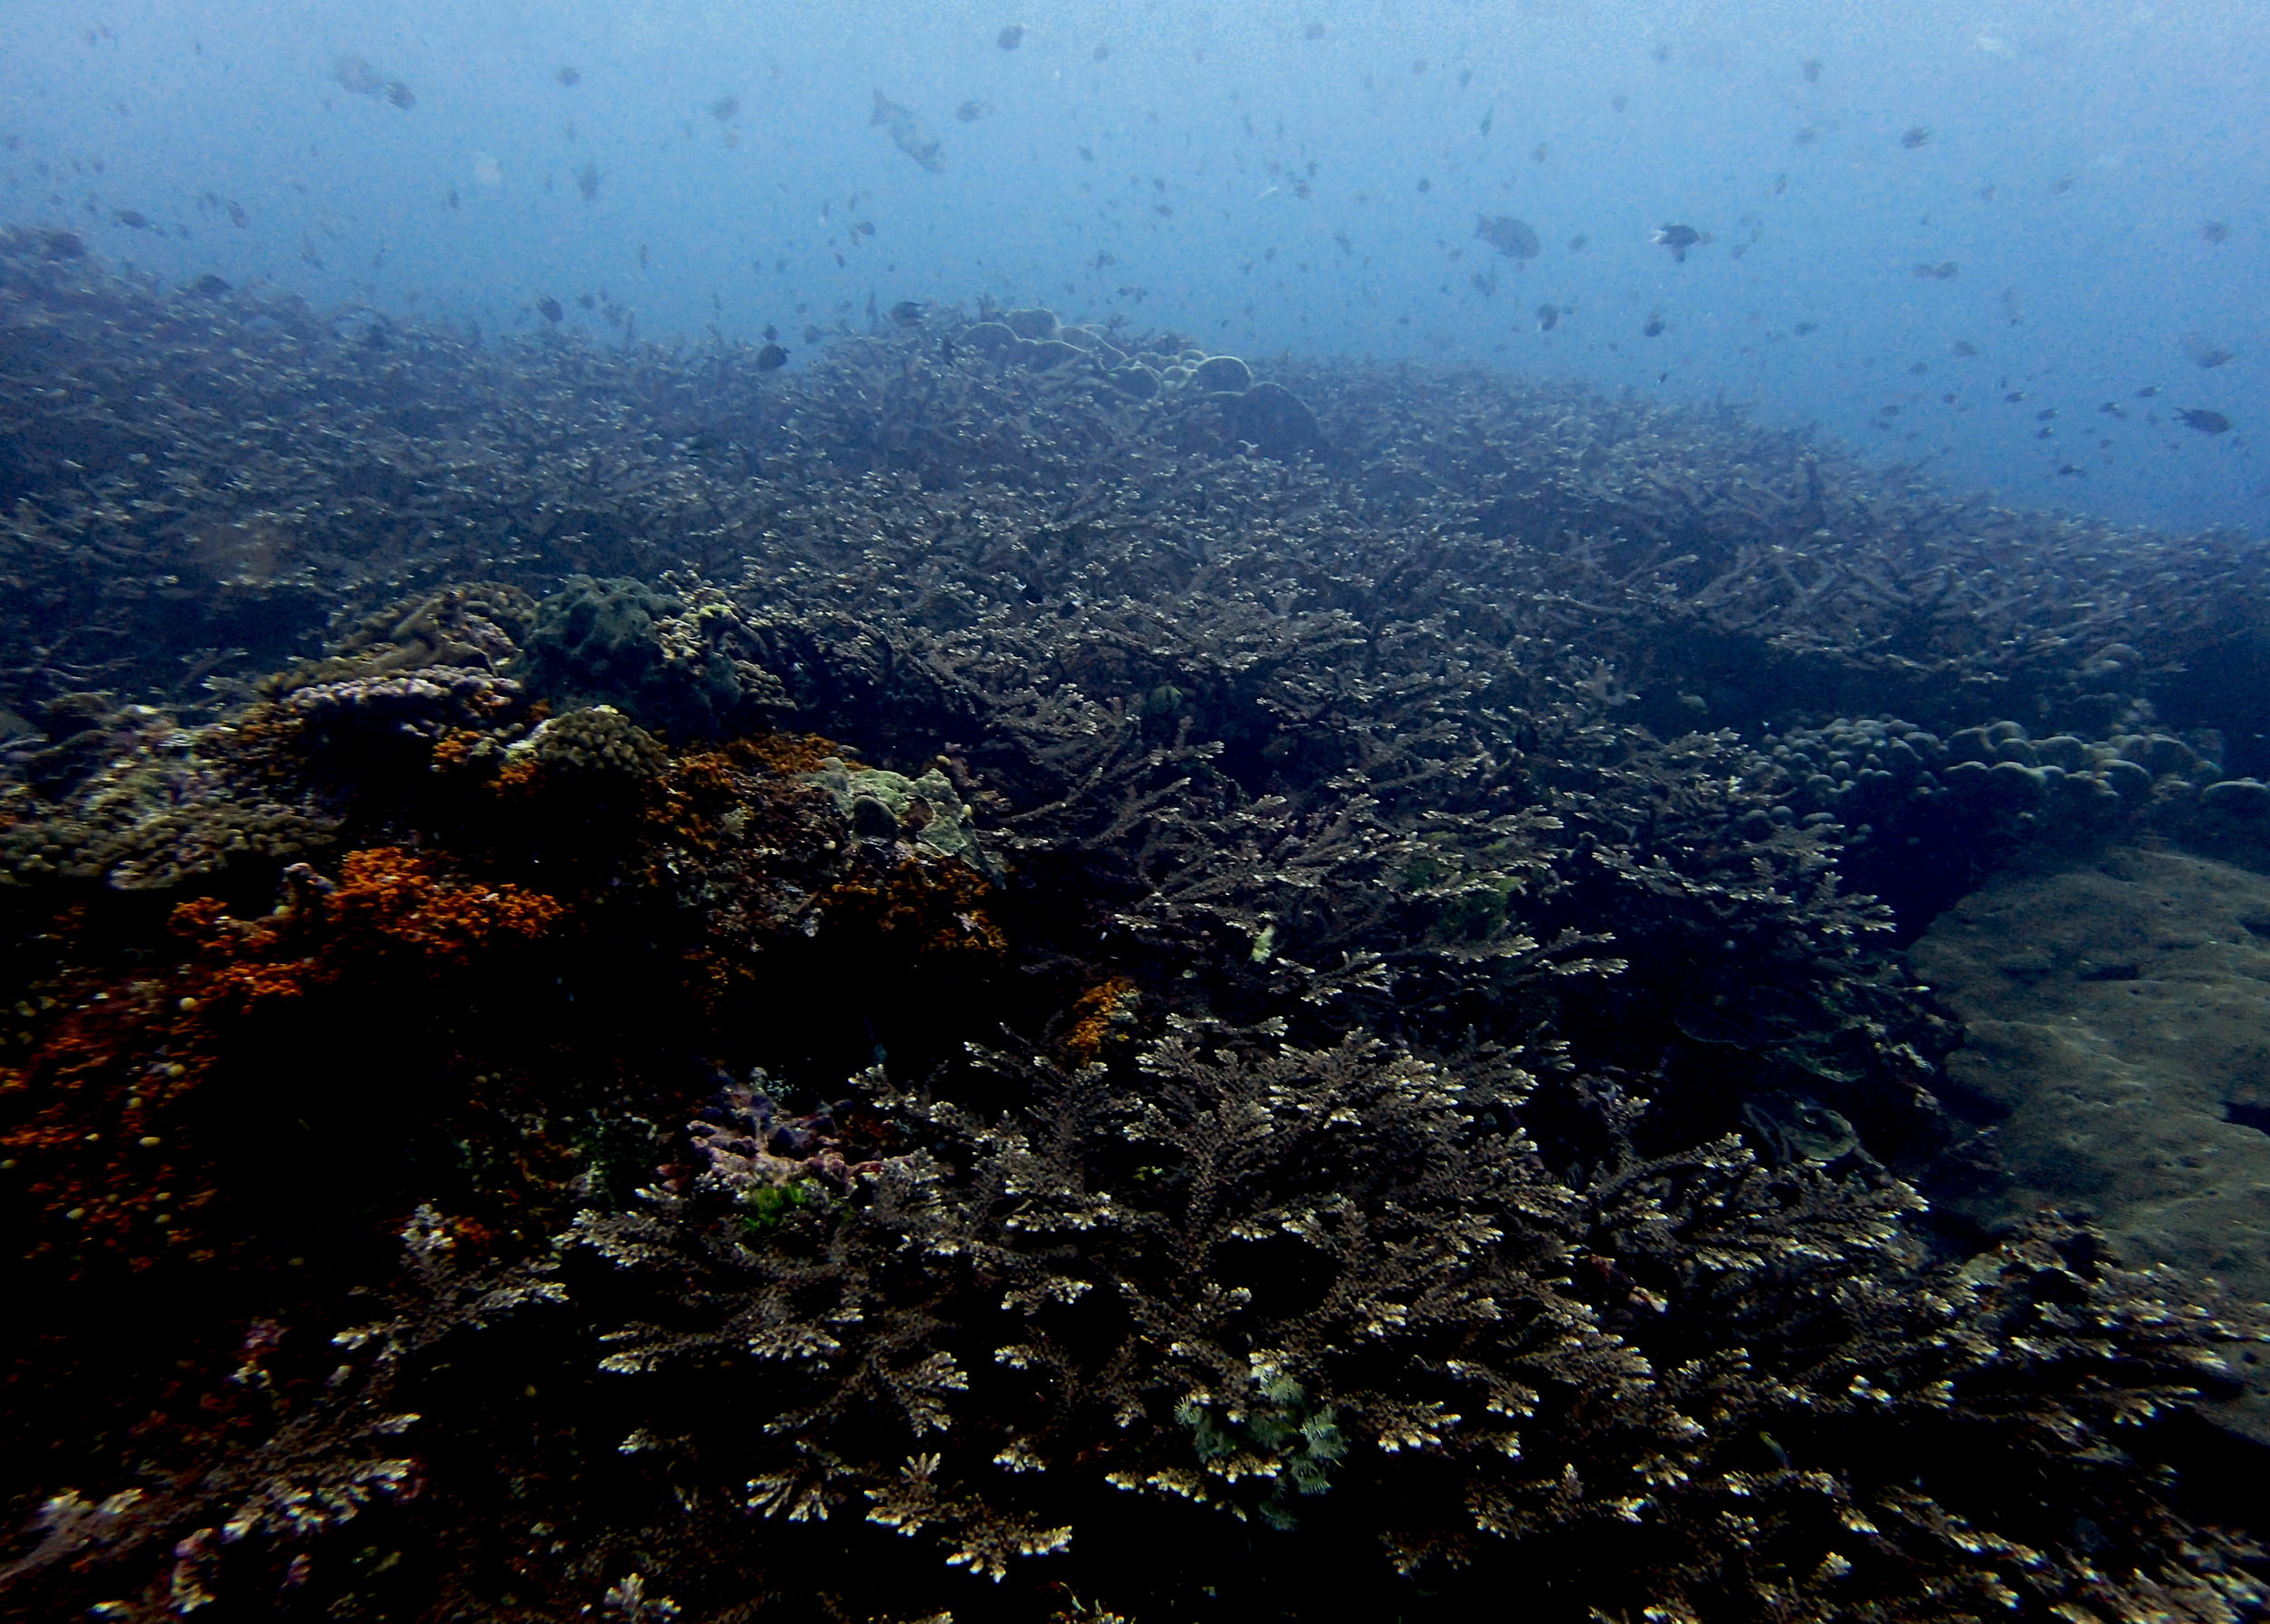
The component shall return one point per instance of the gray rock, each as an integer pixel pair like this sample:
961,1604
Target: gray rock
2131,781
2159,753
1971,745
1968,780
2114,1011
1274,419
1031,324
1139,381
2066,751
1222,375
1048,352
2012,784
2247,798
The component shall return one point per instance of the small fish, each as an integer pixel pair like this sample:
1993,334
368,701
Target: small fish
2061,185
352,74
1548,317
134,220
907,312
2206,356
569,76
1577,244
238,217
1679,239
1946,271
1965,346
771,358
969,112
908,132
1802,328
2148,392
1010,37
2204,420
548,307
1102,54
1915,137
725,107
210,285
1313,31
588,180
1655,326
1810,68
399,93
1488,119
1511,237
2214,231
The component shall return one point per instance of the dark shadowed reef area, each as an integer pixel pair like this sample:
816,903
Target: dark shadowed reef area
1026,973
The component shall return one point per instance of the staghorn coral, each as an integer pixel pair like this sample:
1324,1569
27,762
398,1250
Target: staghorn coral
1329,1292
915,475
474,626
1262,771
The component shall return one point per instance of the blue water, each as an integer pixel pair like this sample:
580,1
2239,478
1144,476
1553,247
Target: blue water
1263,178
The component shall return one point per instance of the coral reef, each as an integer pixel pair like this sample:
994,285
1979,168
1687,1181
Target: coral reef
673,655
897,987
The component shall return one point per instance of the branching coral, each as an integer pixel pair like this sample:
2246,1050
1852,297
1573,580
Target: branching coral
1255,882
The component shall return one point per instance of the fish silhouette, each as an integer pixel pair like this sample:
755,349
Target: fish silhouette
908,132
1511,237
1679,239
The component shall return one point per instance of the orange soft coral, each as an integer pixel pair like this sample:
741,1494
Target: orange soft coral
403,898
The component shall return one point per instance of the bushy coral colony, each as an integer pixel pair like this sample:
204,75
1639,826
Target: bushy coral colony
1018,977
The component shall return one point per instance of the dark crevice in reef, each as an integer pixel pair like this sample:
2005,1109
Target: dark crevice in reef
1215,998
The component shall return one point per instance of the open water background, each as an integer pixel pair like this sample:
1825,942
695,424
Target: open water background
2077,160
